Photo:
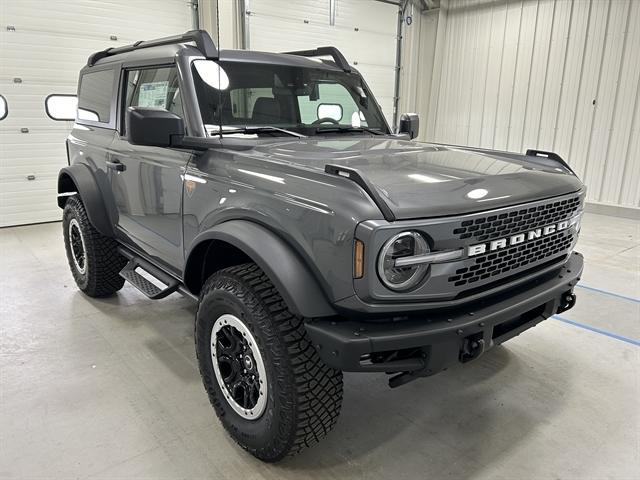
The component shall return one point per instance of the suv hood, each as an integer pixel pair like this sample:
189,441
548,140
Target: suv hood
420,180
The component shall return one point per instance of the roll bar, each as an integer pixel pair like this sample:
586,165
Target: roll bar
201,38
323,51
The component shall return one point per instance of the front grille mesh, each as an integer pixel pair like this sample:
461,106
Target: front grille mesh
501,262
505,224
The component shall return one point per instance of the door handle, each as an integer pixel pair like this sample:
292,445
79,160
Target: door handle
116,165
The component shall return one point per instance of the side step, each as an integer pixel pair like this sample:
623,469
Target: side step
143,284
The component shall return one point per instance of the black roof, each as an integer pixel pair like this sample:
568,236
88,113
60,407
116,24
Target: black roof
203,45
202,40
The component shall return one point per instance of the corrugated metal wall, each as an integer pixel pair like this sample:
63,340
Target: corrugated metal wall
559,75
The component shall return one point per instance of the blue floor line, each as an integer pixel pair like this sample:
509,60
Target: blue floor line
605,292
597,330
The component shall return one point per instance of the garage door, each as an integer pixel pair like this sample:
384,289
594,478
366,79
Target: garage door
43,45
363,30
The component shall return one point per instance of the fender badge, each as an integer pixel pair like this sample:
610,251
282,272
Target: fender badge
189,186
190,182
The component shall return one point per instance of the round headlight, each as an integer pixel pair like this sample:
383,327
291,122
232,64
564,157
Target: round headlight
405,244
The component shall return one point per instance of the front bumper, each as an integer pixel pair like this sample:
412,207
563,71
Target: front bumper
428,343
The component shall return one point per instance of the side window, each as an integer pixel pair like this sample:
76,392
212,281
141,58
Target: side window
96,94
154,87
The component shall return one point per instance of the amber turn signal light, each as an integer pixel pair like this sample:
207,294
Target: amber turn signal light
358,259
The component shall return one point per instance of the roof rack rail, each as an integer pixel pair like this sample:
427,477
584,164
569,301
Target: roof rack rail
201,38
322,51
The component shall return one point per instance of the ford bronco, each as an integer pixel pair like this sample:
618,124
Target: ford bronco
270,188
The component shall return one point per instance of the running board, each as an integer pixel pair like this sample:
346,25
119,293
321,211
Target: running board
146,286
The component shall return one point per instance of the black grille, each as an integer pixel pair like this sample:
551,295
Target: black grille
501,262
505,224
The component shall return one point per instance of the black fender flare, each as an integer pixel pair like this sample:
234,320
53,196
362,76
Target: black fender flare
298,286
90,194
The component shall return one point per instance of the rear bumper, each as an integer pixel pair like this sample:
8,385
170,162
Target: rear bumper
428,343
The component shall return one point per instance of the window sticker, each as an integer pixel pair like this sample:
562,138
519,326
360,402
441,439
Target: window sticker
153,94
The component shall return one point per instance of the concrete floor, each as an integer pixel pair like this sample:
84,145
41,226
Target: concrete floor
110,388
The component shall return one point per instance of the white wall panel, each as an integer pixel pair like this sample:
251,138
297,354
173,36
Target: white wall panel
555,71
364,31
50,44
620,183
574,62
608,95
590,74
493,82
630,191
538,73
418,61
480,70
559,75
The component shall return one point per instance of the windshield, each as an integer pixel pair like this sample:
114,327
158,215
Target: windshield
242,97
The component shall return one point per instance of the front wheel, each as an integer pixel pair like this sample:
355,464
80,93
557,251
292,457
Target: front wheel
267,384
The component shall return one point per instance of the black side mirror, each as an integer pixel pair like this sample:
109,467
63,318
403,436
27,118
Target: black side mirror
155,127
409,124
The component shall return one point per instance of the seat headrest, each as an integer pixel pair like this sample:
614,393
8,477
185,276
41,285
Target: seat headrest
266,110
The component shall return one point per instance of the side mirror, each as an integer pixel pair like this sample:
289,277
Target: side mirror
409,124
155,127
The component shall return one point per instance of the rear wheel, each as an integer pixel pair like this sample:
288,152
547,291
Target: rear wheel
93,258
267,384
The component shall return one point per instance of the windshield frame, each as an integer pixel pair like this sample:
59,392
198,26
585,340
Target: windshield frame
352,82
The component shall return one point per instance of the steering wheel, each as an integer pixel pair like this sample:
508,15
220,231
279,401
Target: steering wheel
325,120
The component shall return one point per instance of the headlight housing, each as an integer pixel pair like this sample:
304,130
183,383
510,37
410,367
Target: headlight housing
405,244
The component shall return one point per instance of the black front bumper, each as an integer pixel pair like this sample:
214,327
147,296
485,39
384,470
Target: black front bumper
429,343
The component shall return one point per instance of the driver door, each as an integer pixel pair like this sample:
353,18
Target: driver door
148,187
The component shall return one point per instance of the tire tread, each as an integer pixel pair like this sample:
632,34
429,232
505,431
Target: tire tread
317,388
104,262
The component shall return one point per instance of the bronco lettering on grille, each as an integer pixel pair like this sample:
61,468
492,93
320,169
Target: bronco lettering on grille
501,243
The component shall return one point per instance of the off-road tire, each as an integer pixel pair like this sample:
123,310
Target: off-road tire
103,262
304,395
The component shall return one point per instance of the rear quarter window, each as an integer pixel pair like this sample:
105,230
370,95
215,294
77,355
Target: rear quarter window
96,94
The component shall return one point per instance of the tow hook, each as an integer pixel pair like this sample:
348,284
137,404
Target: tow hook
472,347
568,301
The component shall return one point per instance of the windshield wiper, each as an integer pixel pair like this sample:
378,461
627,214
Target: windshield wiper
264,129
348,130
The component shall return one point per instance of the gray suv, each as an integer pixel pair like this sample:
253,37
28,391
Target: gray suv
270,188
